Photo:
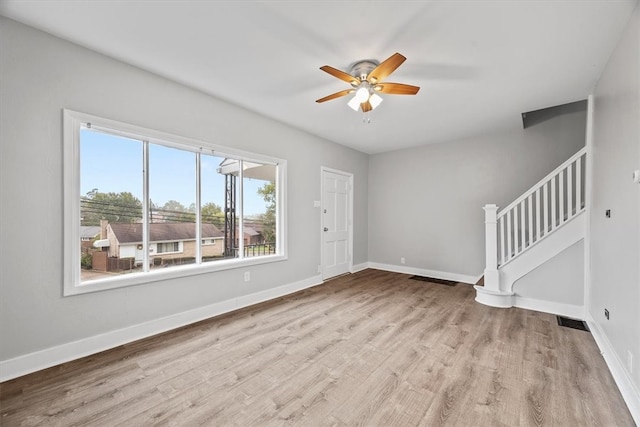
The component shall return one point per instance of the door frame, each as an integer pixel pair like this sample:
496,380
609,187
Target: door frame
349,175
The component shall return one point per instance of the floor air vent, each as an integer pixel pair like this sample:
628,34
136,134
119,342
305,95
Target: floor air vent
572,323
434,280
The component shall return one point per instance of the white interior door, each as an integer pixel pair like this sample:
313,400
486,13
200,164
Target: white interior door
337,223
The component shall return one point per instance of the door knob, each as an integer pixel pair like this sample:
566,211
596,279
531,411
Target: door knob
326,229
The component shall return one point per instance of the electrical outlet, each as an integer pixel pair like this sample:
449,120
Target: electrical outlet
630,361
402,260
247,276
606,313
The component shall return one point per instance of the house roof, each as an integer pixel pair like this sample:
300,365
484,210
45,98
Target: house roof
89,231
250,231
163,232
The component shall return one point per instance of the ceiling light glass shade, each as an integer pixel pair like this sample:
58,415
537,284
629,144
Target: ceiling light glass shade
362,95
354,103
375,100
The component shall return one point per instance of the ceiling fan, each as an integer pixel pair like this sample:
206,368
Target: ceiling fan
367,80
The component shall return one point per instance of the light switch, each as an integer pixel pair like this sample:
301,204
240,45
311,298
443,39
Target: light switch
636,176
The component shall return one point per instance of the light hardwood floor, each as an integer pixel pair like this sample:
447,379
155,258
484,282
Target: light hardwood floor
372,348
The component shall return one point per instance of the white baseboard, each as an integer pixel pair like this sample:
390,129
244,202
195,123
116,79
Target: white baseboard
463,278
629,391
359,267
558,308
32,362
491,298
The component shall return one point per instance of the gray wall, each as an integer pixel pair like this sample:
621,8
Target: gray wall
615,242
559,280
41,75
425,204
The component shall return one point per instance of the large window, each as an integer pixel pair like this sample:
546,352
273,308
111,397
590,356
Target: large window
163,206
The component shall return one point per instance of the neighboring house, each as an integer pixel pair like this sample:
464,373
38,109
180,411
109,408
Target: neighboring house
251,237
87,234
166,240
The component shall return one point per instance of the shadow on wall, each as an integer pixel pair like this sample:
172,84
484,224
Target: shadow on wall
532,118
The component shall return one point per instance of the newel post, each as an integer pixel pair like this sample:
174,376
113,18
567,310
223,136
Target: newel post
491,275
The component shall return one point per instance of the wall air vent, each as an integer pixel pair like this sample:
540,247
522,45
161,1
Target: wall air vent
573,323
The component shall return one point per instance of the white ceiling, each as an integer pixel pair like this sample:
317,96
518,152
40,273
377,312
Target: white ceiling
479,63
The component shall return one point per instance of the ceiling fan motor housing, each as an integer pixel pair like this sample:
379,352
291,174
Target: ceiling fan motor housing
361,69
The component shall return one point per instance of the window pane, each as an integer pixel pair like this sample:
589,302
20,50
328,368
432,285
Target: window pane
259,209
229,170
212,192
172,218
110,204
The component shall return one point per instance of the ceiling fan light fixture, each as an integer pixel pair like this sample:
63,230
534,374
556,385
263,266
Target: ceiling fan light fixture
362,94
375,100
354,103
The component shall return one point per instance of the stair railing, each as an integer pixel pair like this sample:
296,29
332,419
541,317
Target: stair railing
547,205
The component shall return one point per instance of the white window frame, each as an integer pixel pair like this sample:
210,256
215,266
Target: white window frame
72,124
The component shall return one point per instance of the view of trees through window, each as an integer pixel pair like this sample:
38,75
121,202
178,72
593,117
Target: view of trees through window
236,197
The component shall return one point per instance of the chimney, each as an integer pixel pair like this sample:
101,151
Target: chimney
103,228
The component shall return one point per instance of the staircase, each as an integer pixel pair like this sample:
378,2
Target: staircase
537,226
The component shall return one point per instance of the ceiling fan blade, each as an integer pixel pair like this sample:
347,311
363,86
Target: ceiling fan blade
396,89
336,95
387,67
341,75
366,106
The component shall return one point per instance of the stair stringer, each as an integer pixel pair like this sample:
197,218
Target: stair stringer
555,242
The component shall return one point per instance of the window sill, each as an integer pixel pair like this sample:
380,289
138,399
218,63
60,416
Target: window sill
169,273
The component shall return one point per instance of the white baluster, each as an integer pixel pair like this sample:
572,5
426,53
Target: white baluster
514,226
502,241
522,226
553,203
538,213
545,194
570,191
579,185
561,198
530,210
509,235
